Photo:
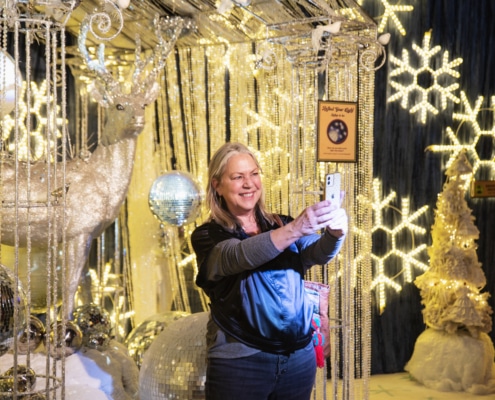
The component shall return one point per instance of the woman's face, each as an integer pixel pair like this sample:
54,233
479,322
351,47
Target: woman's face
240,184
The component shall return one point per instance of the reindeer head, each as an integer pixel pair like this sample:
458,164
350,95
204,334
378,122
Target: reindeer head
126,101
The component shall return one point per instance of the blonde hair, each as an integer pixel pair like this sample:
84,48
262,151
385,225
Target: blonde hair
218,209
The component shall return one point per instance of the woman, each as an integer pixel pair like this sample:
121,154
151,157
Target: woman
251,266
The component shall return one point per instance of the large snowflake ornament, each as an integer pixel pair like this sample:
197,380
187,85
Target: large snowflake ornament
401,252
424,81
471,144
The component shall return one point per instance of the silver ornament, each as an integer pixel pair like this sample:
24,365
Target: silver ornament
175,198
32,336
64,342
25,376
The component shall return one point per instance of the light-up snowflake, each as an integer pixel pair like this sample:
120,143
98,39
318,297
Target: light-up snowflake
400,244
35,147
470,117
390,13
424,81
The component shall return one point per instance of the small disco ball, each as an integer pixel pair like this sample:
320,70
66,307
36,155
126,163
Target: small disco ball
174,367
32,336
9,301
92,319
175,198
143,335
97,340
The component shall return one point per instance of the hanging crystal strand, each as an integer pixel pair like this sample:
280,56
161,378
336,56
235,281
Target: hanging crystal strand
295,142
181,298
51,161
16,211
63,265
216,101
365,177
119,311
128,282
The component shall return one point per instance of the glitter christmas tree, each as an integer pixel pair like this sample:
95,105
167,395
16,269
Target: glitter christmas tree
454,353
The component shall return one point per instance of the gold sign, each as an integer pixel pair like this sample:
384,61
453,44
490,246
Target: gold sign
482,189
337,131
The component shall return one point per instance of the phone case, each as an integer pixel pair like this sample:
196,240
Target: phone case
332,187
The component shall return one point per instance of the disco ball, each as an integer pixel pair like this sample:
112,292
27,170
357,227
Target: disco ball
93,320
143,335
174,367
9,301
175,198
97,340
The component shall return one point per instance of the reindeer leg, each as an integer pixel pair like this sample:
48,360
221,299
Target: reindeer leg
77,257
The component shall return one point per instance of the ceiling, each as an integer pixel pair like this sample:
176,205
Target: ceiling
224,21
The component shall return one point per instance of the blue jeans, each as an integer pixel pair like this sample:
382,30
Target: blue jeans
262,376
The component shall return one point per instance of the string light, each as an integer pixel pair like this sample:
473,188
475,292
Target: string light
396,251
422,87
36,147
390,13
469,117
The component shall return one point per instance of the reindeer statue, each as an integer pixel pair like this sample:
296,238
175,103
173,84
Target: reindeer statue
94,188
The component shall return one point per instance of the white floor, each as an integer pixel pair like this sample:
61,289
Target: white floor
401,387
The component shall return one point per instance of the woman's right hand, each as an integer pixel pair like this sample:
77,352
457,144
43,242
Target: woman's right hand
311,220
314,218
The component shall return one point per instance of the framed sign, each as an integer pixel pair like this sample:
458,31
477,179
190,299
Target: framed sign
337,131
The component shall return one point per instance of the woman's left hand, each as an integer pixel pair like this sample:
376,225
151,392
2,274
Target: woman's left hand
338,223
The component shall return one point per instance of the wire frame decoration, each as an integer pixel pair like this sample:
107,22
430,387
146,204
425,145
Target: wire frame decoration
33,136
329,51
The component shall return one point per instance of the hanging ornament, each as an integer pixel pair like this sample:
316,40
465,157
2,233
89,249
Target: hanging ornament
25,376
64,340
175,198
32,336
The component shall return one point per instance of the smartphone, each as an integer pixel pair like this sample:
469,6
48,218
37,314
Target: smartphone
332,187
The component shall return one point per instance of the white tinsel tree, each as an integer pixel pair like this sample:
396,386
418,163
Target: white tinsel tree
454,353
450,288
